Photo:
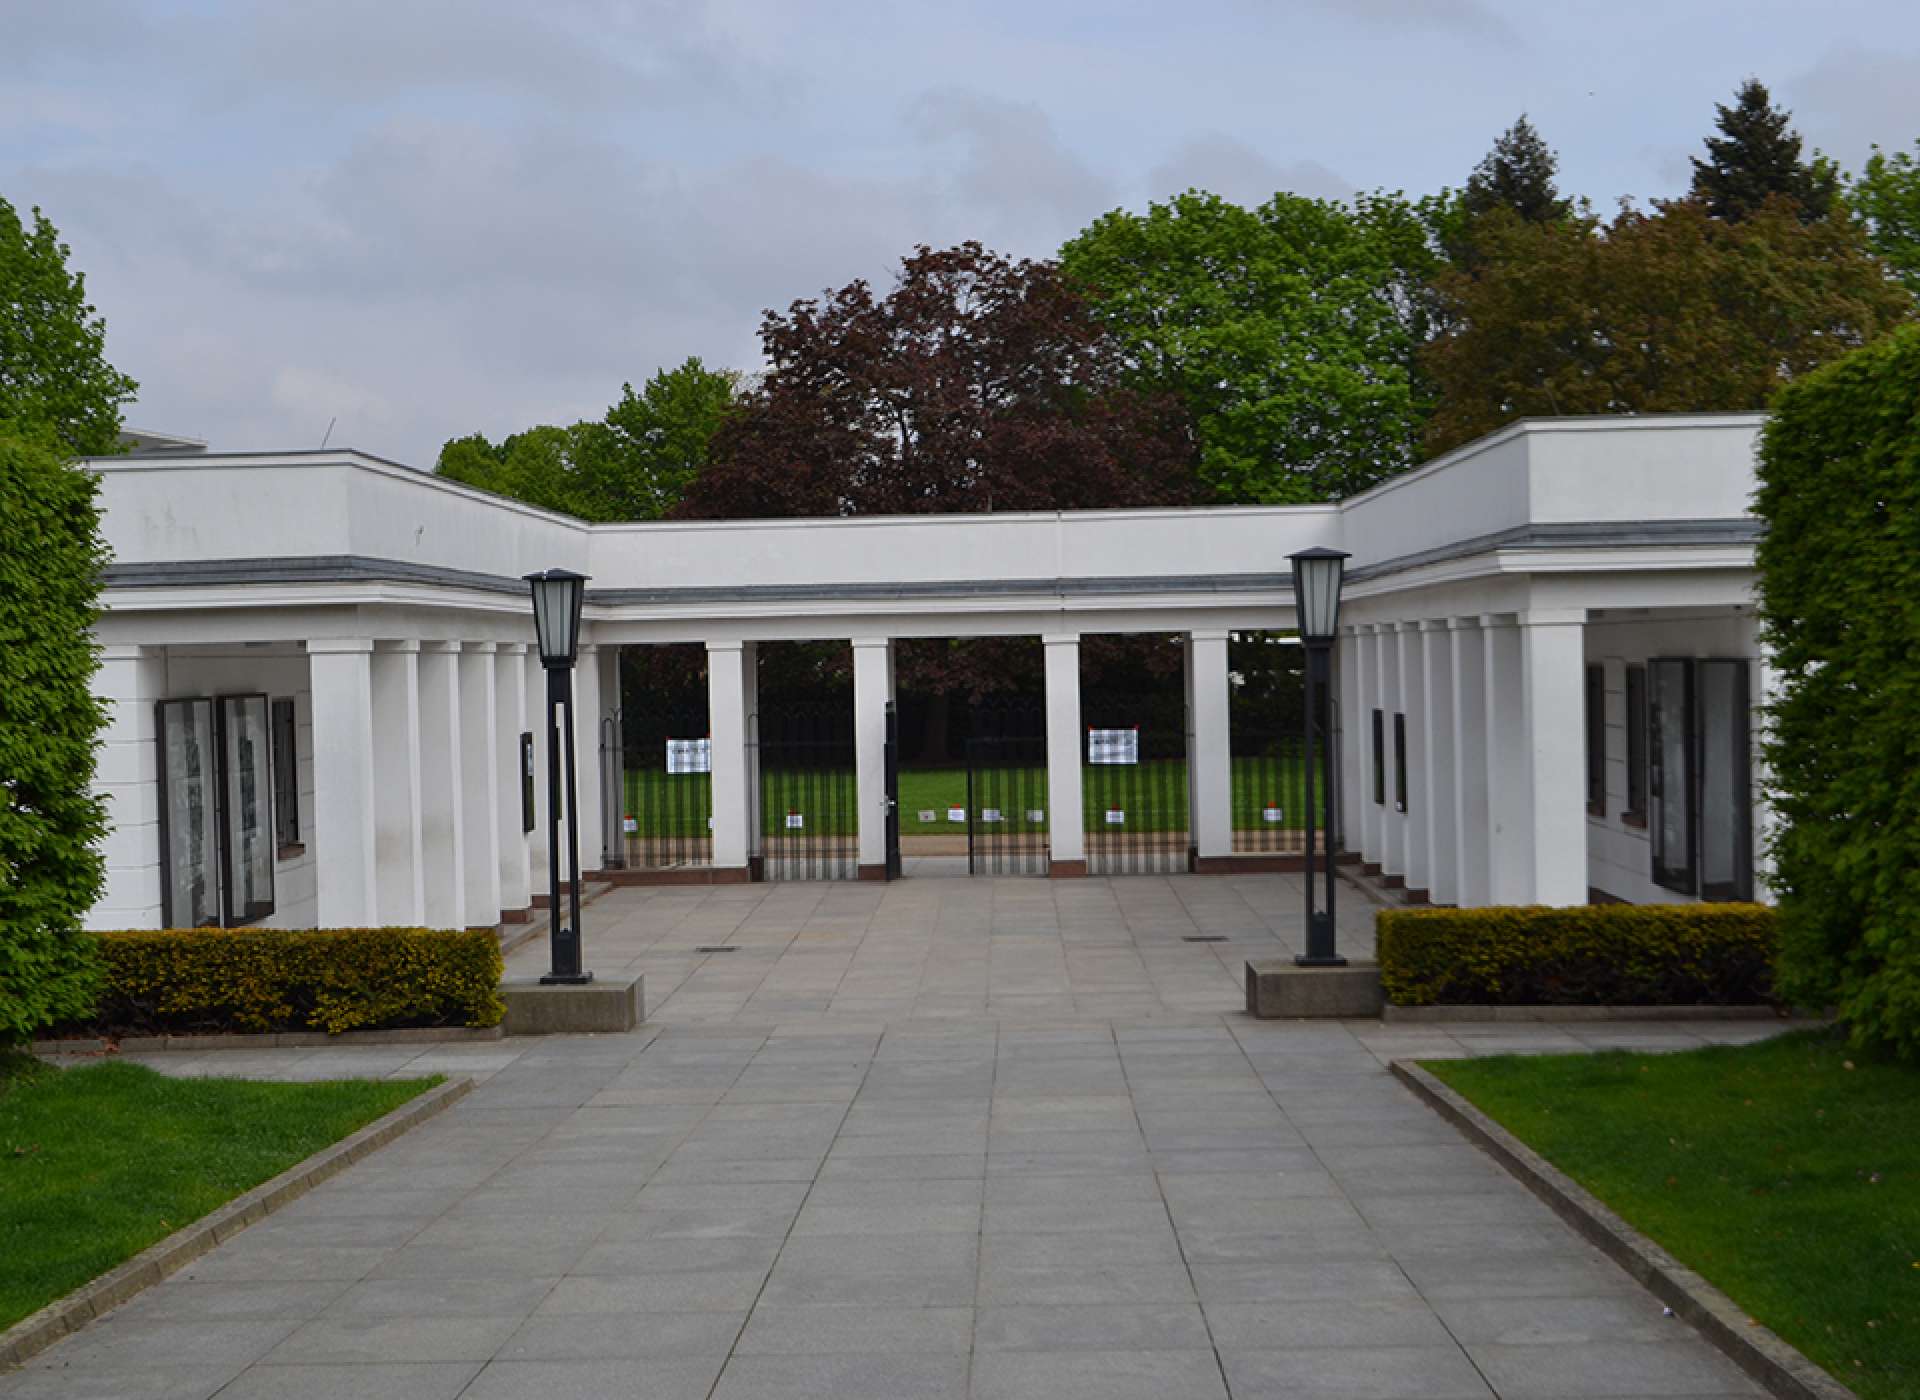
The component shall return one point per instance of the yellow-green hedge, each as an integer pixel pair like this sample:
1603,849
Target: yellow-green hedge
337,979
1595,955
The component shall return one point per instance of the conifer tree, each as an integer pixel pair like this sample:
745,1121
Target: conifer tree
1517,174
1757,155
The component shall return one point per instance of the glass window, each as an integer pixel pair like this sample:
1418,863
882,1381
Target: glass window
1379,758
246,829
1636,745
1400,763
189,840
1726,804
1597,740
286,775
1670,774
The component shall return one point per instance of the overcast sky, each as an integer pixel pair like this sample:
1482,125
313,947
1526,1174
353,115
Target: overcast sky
431,217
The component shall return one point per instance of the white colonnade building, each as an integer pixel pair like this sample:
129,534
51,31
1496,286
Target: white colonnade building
321,675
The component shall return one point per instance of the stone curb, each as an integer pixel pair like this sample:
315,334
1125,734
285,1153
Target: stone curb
1753,1348
1418,1014
41,1330
270,1040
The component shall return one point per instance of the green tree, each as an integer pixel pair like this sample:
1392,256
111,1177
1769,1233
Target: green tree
1887,195
1757,156
53,367
1669,311
1291,330
51,822
1839,569
633,464
1517,174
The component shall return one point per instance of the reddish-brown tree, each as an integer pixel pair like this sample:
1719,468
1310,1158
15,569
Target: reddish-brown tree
978,383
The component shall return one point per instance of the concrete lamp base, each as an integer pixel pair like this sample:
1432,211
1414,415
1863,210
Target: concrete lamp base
1280,988
608,1003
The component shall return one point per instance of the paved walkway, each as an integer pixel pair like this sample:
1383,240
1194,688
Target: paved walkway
778,1193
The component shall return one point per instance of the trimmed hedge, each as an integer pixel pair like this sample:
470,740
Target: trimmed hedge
182,981
1593,955
1839,575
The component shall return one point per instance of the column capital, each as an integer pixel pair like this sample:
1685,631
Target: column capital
129,653
511,648
441,648
870,643
481,648
1211,634
1465,624
1435,624
397,646
1553,617
587,649
725,646
1060,639
1498,620
338,646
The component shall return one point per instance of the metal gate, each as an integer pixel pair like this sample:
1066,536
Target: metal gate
1134,785
1007,790
809,815
663,802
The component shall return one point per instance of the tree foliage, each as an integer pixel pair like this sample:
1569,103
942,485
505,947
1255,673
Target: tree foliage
51,822
633,464
53,367
1517,174
1756,157
976,383
1886,194
1291,330
1839,574
1668,311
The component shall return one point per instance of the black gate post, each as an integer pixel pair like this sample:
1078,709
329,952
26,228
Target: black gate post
890,768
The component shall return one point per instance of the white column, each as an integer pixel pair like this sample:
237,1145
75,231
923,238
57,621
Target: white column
510,721
1393,826
1350,676
729,715
126,774
1553,654
1470,762
1419,872
1372,818
442,794
1509,797
480,783
1210,756
534,688
872,664
589,708
341,673
1436,737
1066,840
401,896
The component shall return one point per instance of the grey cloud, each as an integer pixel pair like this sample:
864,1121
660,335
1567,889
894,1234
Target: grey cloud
1851,98
1468,18
1235,171
1011,165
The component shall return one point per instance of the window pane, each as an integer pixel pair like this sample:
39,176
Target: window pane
190,858
1379,758
1670,798
1596,739
286,774
1400,762
248,832
1726,862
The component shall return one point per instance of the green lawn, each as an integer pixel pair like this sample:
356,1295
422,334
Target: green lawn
1153,795
98,1163
1787,1173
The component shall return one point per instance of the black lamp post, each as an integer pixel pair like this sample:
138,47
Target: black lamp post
1317,576
557,596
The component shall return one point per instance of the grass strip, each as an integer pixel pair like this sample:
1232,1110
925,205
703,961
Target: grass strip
1787,1173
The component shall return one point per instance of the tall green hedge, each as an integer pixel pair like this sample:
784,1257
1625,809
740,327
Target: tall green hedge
1840,599
51,824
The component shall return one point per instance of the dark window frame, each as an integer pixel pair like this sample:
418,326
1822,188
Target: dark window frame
1379,758
1596,718
285,728
1635,813
225,783
219,784
1740,887
1683,878
1399,762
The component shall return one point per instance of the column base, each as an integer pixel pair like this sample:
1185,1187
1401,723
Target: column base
1066,869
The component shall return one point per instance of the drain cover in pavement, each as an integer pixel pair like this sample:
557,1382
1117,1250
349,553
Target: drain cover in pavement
1203,938
718,948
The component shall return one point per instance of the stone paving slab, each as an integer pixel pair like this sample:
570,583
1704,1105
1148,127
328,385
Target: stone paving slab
999,1203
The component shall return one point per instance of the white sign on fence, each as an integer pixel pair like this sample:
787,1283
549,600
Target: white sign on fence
956,814
1270,813
991,814
630,825
1036,814
1113,745
927,814
795,821
689,755
1116,817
